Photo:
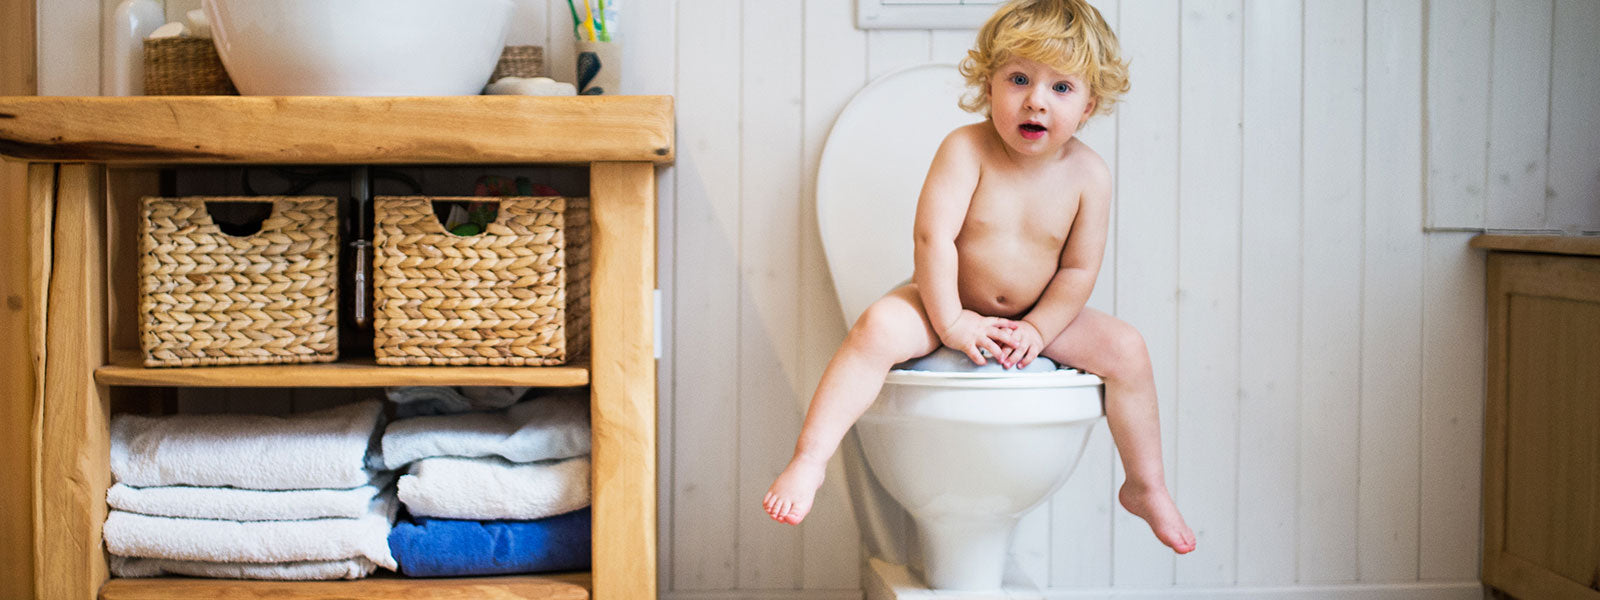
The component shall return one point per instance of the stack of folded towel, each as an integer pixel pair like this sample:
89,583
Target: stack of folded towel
493,492
245,496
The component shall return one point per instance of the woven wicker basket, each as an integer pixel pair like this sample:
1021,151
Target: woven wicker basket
517,294
184,67
209,298
519,61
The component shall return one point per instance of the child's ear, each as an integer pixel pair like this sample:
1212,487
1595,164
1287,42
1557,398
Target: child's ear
1088,110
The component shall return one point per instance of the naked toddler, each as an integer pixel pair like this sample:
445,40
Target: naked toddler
1010,229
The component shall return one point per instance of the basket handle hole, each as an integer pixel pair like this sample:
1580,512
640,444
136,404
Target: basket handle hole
466,218
239,219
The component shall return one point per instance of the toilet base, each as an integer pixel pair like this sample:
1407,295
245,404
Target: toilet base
889,581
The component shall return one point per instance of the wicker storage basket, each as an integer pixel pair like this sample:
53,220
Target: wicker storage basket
519,61
517,294
209,298
184,67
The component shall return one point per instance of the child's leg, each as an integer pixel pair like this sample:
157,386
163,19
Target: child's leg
894,329
1106,346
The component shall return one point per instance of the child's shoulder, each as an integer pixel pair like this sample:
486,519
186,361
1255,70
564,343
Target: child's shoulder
972,138
1084,160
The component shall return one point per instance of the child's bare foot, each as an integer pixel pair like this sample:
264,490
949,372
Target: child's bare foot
1155,506
789,498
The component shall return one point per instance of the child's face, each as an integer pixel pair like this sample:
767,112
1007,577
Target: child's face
1035,108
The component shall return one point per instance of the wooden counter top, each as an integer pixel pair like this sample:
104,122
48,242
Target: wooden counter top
1548,244
337,130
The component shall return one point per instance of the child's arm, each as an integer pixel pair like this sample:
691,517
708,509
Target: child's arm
941,210
1078,267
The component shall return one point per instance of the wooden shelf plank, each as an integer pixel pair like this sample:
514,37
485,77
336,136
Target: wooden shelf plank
337,130
571,586
127,370
1549,244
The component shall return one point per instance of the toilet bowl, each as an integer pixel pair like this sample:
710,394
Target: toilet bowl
964,451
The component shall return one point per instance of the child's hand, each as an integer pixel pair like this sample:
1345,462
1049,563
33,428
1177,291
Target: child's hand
972,332
1024,345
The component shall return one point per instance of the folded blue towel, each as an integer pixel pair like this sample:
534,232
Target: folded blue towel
428,547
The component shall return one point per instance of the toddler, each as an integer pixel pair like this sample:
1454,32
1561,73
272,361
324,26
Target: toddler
1010,229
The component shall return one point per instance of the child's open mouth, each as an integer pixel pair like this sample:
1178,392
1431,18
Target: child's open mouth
1032,131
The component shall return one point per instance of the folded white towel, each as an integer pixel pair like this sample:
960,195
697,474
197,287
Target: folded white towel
316,450
493,488
135,535
308,570
235,504
414,401
553,427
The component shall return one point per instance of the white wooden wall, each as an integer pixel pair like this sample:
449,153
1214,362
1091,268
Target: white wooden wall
1296,183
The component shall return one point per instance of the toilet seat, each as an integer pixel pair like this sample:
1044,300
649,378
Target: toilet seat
1057,378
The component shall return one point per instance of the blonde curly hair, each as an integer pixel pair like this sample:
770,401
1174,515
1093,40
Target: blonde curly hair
1069,36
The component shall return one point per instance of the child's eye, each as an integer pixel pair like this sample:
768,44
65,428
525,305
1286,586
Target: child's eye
1019,79
1061,87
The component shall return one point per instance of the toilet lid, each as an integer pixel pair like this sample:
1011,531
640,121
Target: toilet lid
871,172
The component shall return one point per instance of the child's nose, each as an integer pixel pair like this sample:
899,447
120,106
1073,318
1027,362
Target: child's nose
1034,100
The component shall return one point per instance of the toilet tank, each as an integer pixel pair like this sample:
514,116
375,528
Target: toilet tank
872,168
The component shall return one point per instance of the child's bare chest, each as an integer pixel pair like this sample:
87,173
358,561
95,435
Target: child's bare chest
1035,210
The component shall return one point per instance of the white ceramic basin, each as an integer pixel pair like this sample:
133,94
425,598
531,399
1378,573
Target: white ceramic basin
359,47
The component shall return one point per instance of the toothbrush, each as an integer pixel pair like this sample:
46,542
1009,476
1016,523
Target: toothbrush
574,10
589,22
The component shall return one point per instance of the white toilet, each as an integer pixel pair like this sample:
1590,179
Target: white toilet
964,453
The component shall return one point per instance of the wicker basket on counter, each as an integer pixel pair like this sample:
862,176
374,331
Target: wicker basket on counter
520,61
191,67
185,67
210,298
516,294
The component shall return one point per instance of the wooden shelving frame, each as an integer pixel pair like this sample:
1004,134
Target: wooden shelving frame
78,341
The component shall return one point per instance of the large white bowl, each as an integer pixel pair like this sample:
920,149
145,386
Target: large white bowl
359,47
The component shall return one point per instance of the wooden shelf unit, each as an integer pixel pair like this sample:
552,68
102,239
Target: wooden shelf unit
90,158
574,586
126,368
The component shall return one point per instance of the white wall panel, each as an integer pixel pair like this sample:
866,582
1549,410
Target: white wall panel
951,45
1147,254
1330,344
889,50
706,505
1452,408
529,26
1519,114
1210,105
1269,302
1391,324
1459,49
830,559
1574,192
69,47
768,318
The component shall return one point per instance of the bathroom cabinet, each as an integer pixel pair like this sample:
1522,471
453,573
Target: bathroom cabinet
91,159
1541,468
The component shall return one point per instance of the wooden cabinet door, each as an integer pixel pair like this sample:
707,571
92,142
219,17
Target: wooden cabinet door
1542,442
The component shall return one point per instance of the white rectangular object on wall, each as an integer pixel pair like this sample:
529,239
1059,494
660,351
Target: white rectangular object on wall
923,14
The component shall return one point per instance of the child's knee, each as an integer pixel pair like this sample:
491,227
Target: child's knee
882,329
1128,351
